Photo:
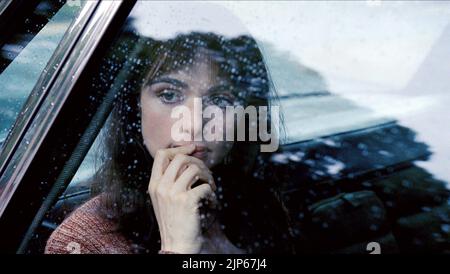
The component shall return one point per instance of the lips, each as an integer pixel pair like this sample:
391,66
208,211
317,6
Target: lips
200,148
199,152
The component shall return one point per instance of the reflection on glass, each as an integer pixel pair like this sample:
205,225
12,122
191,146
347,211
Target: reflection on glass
24,56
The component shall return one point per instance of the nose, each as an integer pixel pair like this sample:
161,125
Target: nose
195,106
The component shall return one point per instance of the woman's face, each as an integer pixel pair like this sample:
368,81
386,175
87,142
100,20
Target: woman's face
180,88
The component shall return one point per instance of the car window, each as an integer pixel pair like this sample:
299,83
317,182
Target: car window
360,159
38,128
25,53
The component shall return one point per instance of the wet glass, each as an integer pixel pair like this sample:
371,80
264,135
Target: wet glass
362,88
24,55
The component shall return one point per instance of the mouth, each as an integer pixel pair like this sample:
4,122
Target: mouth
200,151
199,154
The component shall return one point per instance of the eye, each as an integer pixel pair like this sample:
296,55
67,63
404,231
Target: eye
221,100
170,96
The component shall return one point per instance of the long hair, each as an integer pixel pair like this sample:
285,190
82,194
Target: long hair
250,212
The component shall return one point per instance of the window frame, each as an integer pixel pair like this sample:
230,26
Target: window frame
41,143
43,85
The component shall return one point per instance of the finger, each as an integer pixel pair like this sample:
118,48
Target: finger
191,175
176,167
163,157
202,191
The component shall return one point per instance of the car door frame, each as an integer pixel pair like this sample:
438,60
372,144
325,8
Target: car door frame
41,143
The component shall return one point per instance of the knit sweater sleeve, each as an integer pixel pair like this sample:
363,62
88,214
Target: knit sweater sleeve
85,231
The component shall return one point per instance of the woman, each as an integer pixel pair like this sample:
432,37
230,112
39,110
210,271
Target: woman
155,194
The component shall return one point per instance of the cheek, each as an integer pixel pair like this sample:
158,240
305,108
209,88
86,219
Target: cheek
156,126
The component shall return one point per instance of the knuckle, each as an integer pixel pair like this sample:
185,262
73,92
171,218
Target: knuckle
195,168
180,158
208,189
161,153
198,162
202,164
210,178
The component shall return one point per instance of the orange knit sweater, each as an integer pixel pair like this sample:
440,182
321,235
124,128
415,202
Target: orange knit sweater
87,231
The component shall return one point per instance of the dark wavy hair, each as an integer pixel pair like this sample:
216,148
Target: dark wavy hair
250,212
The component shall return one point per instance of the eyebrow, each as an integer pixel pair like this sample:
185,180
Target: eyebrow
168,80
175,82
220,88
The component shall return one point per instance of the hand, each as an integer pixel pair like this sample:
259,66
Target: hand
175,202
